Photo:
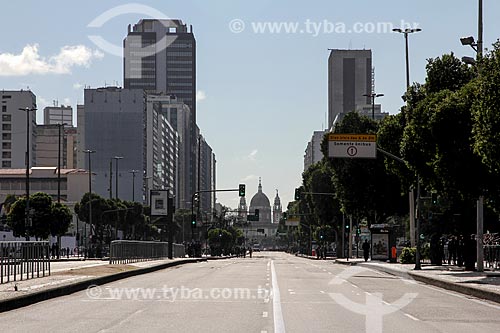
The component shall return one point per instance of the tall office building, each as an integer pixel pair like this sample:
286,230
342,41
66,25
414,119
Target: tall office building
160,56
206,176
178,116
53,115
128,123
14,125
47,146
114,125
349,78
313,153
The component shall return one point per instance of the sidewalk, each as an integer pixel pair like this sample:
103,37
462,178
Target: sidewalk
485,285
70,276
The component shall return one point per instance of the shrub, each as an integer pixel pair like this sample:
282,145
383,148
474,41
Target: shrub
408,255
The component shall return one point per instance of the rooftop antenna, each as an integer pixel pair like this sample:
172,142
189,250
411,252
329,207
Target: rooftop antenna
350,44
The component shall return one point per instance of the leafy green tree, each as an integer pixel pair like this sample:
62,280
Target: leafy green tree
41,220
61,219
486,126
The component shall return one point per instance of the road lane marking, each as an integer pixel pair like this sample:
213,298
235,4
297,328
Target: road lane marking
264,314
411,317
279,324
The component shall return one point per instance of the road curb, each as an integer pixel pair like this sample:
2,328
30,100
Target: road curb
457,287
448,285
24,300
348,263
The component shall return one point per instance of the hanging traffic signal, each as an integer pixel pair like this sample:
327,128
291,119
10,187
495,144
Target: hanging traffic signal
242,190
193,221
257,214
297,194
434,198
285,215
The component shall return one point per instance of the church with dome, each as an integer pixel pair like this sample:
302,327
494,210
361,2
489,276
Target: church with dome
268,219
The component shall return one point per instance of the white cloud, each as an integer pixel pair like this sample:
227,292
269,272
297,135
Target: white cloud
67,101
77,86
30,61
200,95
252,156
248,178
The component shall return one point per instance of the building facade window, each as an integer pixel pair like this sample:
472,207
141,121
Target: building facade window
6,136
6,117
6,164
6,127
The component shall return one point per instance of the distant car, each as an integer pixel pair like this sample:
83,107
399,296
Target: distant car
256,248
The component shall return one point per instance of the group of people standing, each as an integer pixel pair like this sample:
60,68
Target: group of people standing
460,250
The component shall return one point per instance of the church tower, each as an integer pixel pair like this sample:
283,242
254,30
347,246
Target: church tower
277,211
242,209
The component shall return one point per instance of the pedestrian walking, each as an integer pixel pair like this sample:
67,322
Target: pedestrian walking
366,249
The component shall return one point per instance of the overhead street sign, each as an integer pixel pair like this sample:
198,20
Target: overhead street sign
292,222
352,146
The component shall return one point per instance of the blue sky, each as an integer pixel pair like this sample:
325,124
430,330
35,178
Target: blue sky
263,94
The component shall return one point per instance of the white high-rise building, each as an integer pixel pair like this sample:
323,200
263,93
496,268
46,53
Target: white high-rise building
14,125
313,152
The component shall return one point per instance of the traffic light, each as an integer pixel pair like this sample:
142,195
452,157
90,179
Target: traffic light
297,194
242,190
257,214
285,215
193,220
434,198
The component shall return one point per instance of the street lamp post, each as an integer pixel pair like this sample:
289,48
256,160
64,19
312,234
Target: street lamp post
133,172
373,96
116,158
406,32
88,151
27,161
146,182
478,47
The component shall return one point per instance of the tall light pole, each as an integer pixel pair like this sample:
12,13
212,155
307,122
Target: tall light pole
116,158
373,96
478,47
88,151
133,172
406,32
27,161
146,181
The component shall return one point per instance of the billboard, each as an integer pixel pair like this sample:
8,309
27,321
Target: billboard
159,202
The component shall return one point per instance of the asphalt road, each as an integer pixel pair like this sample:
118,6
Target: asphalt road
272,292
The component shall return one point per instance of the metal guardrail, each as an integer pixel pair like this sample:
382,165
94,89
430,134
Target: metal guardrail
24,260
125,251
492,256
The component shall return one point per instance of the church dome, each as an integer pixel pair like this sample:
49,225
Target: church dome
261,202
260,199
